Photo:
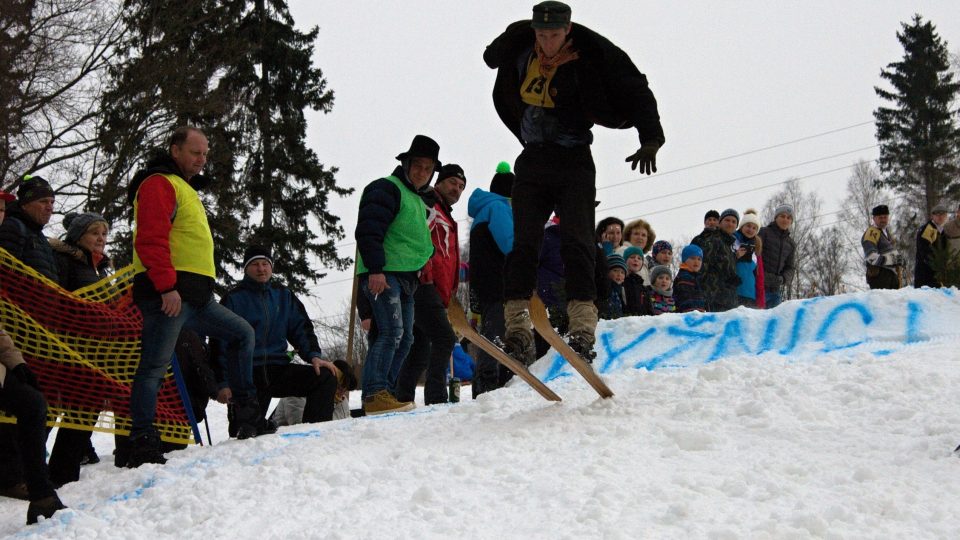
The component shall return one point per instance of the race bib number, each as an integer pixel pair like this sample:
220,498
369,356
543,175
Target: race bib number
535,89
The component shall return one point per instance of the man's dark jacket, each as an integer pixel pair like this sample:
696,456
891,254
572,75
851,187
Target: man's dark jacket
718,277
778,256
23,238
612,92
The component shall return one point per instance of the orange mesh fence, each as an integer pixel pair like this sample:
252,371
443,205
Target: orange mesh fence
84,347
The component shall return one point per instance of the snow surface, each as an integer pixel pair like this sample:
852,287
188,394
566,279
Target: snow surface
827,418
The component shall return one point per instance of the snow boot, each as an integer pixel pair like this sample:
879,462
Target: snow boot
583,327
247,418
518,337
144,448
45,507
383,402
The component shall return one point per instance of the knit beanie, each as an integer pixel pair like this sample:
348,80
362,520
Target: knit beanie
33,188
730,212
451,170
659,270
711,214
502,183
783,209
256,252
659,246
77,224
692,250
631,251
750,216
615,260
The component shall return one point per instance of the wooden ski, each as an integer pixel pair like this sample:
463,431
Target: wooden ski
458,319
541,322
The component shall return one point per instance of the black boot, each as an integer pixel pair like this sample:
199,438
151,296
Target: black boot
247,418
45,507
145,449
583,347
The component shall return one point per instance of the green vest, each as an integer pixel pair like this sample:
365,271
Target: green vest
191,244
407,245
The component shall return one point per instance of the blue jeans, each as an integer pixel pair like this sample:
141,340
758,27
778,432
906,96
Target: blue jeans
773,299
393,317
160,335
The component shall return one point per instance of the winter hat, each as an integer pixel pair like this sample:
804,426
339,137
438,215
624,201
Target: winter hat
940,209
4,196
33,188
615,260
730,212
423,146
750,216
783,209
451,170
711,214
550,14
350,379
692,250
77,224
657,271
502,183
659,246
631,251
256,252
880,210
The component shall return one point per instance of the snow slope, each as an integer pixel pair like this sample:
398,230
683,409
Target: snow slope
827,418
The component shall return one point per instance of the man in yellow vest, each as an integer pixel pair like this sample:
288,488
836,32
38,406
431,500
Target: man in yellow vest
393,240
173,287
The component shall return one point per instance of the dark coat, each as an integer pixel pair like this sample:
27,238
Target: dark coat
719,273
637,295
778,253
609,89
23,238
75,266
379,206
929,238
491,239
687,293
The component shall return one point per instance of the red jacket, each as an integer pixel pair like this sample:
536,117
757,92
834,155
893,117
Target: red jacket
443,268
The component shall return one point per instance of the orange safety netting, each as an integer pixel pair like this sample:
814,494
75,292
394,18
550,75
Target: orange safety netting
84,347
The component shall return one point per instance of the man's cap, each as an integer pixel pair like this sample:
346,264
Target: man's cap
451,170
33,188
550,14
423,146
711,214
940,209
880,210
256,252
730,212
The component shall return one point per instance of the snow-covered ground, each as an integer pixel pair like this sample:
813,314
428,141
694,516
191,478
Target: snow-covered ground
830,418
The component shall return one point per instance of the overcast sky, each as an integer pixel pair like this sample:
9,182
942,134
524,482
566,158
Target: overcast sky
730,78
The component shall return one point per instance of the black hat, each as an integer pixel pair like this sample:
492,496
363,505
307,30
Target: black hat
33,188
502,183
711,214
451,170
256,252
880,210
423,146
550,14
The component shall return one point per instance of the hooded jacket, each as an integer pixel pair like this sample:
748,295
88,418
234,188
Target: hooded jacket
608,89
778,255
491,239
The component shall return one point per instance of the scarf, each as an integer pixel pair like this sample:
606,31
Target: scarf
566,54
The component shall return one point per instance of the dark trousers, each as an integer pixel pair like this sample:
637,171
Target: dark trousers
552,178
433,342
68,451
28,440
884,279
489,373
295,380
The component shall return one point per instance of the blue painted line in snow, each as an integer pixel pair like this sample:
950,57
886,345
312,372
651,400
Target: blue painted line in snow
914,312
830,321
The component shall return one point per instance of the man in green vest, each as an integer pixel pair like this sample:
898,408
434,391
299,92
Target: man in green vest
393,241
173,287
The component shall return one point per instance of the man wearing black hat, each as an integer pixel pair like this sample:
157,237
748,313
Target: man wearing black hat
884,262
173,287
555,80
22,230
491,239
393,241
930,238
278,318
433,337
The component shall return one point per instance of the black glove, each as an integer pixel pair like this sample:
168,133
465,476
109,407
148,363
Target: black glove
646,157
23,373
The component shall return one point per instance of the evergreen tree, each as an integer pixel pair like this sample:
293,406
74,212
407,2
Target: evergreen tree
918,135
241,72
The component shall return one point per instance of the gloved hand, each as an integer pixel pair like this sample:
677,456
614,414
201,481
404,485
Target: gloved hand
874,259
23,373
646,157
